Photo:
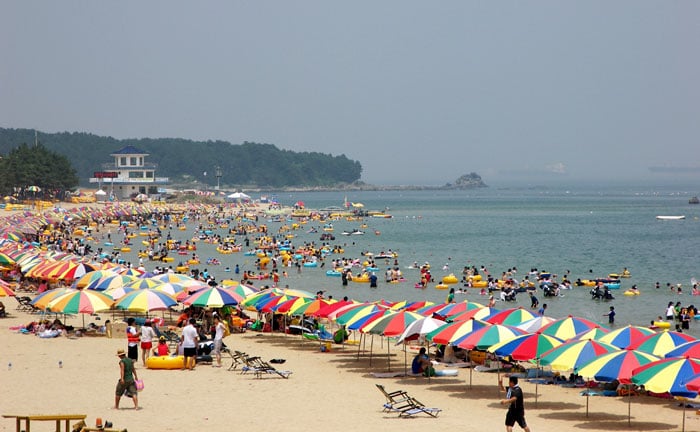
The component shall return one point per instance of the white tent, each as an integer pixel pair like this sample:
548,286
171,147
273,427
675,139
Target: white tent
100,195
238,195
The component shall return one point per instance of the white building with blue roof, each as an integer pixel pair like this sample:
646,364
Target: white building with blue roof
129,175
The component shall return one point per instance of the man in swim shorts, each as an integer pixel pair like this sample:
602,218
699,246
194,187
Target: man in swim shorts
516,410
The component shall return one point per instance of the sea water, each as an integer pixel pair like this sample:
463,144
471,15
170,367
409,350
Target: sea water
581,233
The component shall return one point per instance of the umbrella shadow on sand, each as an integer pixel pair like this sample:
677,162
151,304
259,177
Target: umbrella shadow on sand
605,421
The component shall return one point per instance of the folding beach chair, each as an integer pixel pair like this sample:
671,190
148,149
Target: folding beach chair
25,304
259,367
405,405
238,358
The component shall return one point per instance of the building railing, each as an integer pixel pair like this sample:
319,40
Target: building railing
118,180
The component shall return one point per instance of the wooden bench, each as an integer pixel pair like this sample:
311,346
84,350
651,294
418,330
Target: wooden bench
28,418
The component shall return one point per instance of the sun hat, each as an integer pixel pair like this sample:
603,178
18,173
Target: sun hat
121,352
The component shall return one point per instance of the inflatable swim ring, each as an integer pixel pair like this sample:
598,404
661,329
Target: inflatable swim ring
450,279
333,273
662,324
631,293
480,284
165,362
126,249
441,286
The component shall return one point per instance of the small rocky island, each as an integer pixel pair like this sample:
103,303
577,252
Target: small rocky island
467,181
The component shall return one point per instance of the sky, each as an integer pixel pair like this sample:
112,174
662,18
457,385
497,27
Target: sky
520,92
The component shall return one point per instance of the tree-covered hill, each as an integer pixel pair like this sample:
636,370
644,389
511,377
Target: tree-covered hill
262,165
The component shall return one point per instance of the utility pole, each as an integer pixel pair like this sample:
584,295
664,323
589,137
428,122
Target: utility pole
217,172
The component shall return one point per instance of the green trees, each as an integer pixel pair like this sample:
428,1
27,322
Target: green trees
249,163
35,165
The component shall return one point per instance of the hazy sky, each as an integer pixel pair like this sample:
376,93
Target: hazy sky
418,92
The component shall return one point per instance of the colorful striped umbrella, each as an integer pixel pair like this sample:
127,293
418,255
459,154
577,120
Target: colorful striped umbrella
212,297
143,284
486,337
75,270
111,282
529,346
43,299
81,301
392,324
5,290
360,321
353,313
661,343
594,333
616,365
89,277
454,331
325,311
575,353
693,383
118,293
568,327
284,306
421,327
450,309
480,314
689,349
310,307
536,324
626,336
145,301
6,260
511,317
667,375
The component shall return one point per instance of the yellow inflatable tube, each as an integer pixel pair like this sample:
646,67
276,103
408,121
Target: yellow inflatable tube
450,279
662,324
165,362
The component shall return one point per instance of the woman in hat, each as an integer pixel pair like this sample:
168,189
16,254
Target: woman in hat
127,376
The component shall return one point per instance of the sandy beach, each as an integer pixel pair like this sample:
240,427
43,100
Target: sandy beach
326,390
330,390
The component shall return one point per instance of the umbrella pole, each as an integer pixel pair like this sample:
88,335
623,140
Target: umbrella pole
629,407
359,346
587,398
683,427
537,381
371,345
405,360
388,355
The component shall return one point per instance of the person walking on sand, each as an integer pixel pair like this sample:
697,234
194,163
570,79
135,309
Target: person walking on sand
133,339
127,380
218,339
516,410
190,337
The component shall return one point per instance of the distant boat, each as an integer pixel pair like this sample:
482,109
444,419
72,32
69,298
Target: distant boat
670,217
694,200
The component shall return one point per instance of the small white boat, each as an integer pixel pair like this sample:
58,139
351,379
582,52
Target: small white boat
670,217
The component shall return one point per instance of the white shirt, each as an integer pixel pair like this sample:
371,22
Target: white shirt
219,331
147,334
189,336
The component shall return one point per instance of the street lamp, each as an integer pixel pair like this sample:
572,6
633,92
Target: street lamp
217,172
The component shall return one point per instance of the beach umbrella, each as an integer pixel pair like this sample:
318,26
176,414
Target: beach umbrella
175,278
75,270
283,306
129,271
92,276
43,299
529,346
486,337
421,327
5,290
661,343
418,328
668,375
392,324
269,304
174,289
450,309
511,316
689,349
693,383
354,312
80,301
6,260
454,331
594,333
414,306
309,307
110,282
536,324
568,327
480,314
119,292
143,284
214,297
325,311
145,301
626,336
616,365
574,354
